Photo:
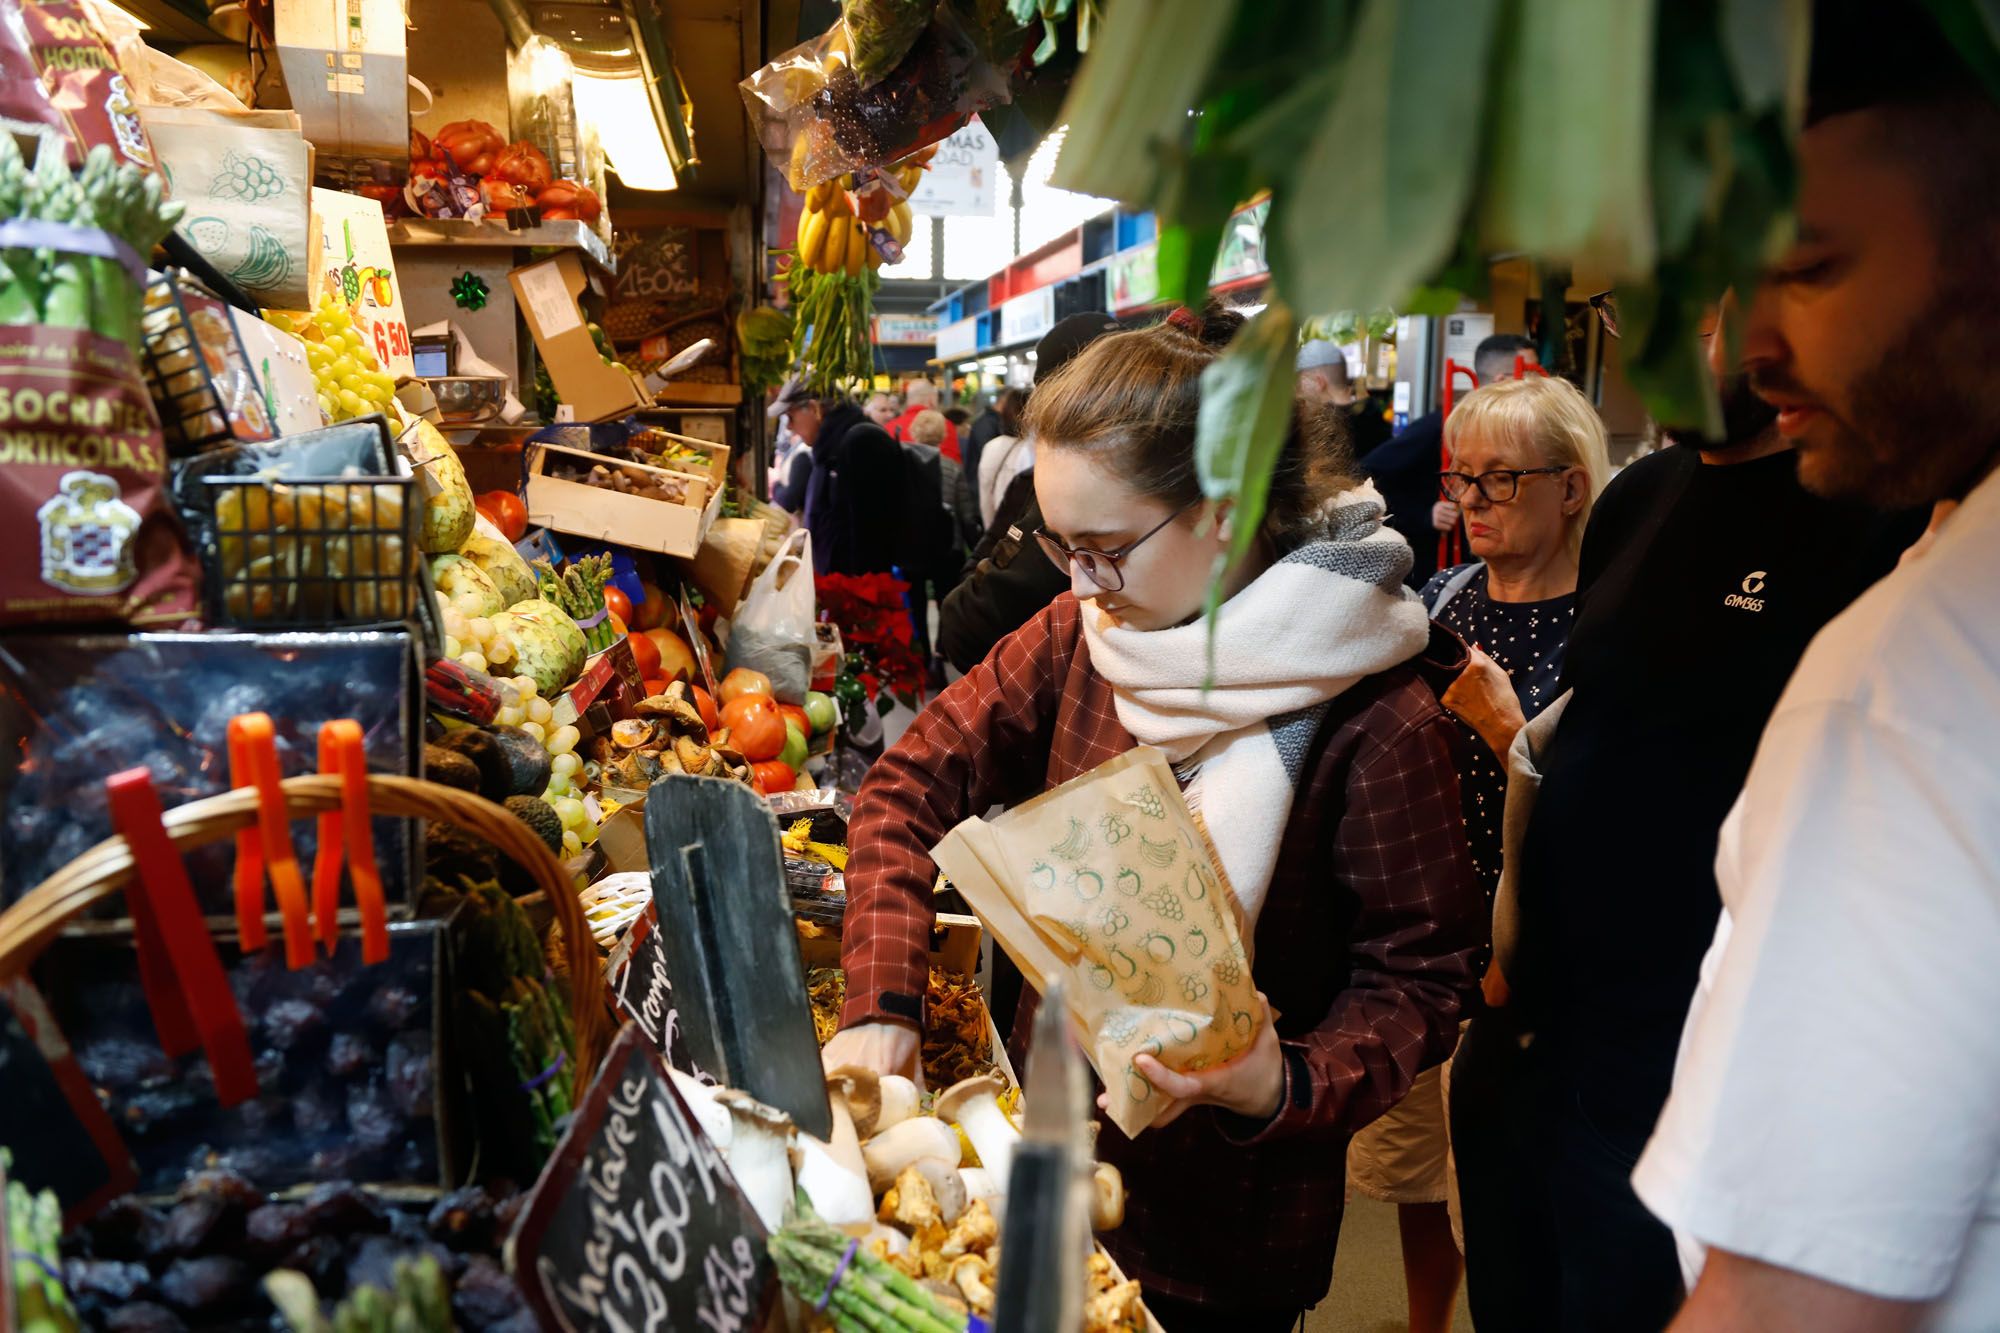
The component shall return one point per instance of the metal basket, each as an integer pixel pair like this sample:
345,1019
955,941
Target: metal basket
312,552
202,385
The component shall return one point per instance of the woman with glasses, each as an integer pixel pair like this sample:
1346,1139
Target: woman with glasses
1528,459
1320,763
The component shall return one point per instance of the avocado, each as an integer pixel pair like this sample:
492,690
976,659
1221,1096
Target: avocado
540,816
479,746
450,768
527,762
450,853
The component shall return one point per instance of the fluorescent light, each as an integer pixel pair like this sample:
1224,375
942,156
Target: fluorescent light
623,115
135,20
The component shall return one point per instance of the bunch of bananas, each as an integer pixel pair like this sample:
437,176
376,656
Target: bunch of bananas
840,213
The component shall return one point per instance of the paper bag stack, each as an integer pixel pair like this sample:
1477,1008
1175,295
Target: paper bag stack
1109,884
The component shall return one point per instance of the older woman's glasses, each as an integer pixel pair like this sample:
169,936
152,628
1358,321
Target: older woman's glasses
1498,486
1103,568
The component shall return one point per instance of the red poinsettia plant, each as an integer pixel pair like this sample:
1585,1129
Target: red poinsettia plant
873,613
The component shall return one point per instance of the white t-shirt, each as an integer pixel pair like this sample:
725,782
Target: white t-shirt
1836,1106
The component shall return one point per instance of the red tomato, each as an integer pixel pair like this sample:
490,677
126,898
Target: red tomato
710,718
772,777
646,653
618,603
508,513
652,608
756,726
656,686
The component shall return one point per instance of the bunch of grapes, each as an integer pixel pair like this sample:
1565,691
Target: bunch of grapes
351,382
473,641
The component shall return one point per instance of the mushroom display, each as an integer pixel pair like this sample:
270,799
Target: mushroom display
974,1106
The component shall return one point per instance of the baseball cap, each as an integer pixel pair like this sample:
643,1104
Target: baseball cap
1070,335
795,393
1316,353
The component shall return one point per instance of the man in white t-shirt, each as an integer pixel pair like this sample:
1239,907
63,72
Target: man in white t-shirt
1830,1155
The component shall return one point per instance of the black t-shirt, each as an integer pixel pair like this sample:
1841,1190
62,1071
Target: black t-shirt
1526,639
1405,471
1700,589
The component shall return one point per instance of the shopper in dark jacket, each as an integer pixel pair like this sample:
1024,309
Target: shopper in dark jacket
856,486
1010,579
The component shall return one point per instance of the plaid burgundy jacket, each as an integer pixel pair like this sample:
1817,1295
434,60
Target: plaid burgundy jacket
1368,945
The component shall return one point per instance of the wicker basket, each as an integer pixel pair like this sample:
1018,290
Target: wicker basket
28,926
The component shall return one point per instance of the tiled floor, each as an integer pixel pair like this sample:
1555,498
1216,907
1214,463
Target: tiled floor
1367,1295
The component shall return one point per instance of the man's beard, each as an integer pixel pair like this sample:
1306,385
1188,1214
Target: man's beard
1922,424
1745,416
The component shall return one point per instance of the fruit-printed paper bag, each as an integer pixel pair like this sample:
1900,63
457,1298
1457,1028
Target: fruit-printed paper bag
1109,882
246,178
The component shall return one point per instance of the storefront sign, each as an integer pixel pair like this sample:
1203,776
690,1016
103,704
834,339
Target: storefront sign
637,1222
960,339
962,179
1242,253
1135,276
905,330
1028,317
1463,332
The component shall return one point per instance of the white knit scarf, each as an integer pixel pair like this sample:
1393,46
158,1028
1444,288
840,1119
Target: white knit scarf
1326,615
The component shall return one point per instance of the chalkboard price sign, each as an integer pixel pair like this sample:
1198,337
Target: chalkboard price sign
646,993
636,1223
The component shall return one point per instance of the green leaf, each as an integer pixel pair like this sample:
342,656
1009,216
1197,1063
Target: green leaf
1567,135
1766,43
1130,100
1973,28
1339,240
1246,412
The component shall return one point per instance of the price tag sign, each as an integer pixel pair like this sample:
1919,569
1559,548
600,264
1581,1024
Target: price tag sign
639,980
355,266
636,1222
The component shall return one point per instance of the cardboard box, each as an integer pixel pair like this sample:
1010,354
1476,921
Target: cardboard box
547,292
613,516
717,454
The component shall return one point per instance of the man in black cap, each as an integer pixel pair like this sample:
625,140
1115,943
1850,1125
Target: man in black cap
855,490
1010,579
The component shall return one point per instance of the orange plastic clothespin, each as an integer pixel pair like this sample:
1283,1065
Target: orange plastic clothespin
185,984
349,829
249,855
253,746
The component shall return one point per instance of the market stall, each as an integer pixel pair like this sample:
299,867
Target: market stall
392,616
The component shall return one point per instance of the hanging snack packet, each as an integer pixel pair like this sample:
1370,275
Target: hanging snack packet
79,78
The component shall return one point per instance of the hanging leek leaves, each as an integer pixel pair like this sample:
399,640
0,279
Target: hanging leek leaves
1405,142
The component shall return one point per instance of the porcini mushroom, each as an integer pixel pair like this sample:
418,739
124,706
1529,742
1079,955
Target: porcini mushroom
973,1105
759,1154
922,1138
832,1173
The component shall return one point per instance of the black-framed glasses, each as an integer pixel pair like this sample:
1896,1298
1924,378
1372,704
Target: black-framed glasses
1103,568
1498,486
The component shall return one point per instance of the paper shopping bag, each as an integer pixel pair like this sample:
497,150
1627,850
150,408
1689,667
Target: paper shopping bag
1109,883
246,178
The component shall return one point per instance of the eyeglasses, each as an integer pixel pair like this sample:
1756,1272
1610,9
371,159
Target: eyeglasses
1498,486
1103,568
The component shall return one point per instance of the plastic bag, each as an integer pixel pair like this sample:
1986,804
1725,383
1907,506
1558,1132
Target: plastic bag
773,631
816,119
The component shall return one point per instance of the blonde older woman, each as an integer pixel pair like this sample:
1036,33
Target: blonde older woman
1528,459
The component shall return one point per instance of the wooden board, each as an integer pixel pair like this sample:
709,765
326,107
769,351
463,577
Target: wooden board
636,1221
725,913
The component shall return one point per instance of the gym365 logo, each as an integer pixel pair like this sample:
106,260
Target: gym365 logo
1748,600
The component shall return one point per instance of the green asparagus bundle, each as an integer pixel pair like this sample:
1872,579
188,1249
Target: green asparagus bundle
66,289
34,1236
420,1303
515,1028
832,329
579,590
870,1296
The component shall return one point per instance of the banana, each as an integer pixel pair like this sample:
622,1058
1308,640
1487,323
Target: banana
858,248
874,256
801,147
908,178
833,249
817,196
812,240
836,204
901,225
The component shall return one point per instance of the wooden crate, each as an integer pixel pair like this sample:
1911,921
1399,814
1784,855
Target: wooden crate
612,516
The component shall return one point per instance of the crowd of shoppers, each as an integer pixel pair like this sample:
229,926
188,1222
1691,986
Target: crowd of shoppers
1629,906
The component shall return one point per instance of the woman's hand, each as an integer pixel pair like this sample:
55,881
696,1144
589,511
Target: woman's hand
1483,698
1444,516
1252,1084
886,1048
